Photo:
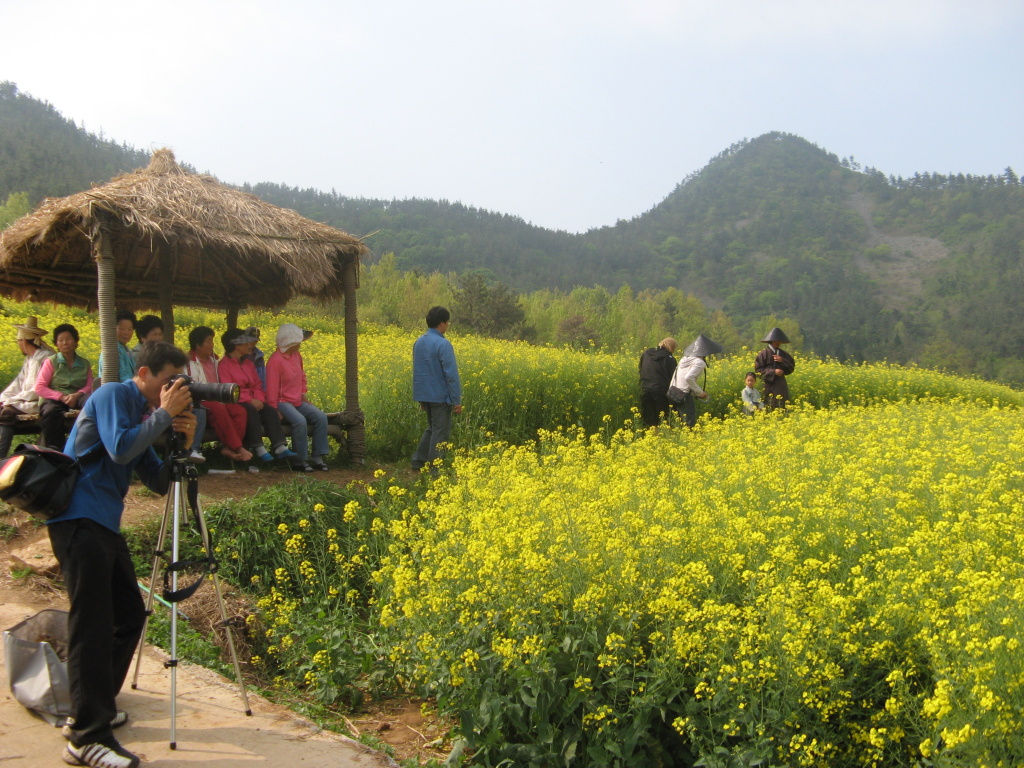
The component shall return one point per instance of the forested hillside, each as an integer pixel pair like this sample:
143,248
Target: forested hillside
922,269
927,269
44,154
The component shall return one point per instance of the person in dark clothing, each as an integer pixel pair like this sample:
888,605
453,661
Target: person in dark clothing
773,364
656,368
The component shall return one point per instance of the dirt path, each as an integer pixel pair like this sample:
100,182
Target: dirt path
211,725
212,728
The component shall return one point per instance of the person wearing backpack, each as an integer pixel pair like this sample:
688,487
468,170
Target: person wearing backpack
656,368
107,613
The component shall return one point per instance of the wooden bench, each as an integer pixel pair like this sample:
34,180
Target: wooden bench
28,423
338,425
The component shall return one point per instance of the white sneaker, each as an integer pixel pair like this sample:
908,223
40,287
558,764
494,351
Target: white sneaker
196,457
108,755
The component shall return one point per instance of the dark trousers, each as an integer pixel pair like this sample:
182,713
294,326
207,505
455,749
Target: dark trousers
266,421
652,406
687,410
8,420
439,430
104,623
9,416
51,423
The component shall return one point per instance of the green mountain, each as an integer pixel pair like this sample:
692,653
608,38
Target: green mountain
44,154
922,269
926,269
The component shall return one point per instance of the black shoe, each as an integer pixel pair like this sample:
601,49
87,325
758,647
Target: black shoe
299,467
319,466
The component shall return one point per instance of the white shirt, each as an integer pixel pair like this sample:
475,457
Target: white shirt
685,377
21,393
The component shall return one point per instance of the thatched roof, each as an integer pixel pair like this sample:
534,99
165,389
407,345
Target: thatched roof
224,248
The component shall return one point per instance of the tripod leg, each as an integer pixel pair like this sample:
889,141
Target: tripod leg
225,622
158,554
172,663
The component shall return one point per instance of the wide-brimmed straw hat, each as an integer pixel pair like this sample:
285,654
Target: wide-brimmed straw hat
30,328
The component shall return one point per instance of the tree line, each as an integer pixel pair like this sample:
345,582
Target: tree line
768,228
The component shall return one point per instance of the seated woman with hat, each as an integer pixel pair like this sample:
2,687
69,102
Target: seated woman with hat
20,396
64,383
286,391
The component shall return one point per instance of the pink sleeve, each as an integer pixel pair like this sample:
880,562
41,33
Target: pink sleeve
43,382
87,389
231,373
273,382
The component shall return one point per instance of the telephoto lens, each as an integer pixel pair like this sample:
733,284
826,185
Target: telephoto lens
218,393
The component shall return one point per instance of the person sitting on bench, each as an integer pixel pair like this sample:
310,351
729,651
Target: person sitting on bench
64,383
20,397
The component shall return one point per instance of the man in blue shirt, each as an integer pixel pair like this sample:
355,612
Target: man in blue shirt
107,612
435,385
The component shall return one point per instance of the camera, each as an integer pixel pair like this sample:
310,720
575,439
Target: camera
218,393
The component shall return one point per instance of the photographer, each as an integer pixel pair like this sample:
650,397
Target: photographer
107,613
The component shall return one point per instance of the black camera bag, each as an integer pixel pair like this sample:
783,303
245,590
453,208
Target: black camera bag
39,481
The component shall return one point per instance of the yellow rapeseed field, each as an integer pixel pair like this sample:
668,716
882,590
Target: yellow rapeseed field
828,588
837,586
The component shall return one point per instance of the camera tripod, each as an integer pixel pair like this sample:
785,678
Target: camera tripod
183,474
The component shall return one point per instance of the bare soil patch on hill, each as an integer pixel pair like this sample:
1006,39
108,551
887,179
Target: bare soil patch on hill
911,260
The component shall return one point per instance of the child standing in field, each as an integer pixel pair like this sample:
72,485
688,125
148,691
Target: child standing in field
751,397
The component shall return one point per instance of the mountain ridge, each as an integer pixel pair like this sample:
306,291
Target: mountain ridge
869,265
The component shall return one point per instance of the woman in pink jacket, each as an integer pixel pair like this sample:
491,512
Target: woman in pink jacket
286,391
261,418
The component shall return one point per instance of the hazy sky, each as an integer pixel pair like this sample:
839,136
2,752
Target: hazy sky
569,113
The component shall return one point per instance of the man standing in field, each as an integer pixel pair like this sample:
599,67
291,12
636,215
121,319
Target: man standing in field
435,385
773,364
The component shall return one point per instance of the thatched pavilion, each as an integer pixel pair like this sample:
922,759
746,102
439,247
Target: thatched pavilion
161,236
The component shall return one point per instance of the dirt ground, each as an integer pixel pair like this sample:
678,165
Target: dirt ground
400,723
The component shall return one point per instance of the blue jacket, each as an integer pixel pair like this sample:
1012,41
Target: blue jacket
125,365
113,417
260,361
435,376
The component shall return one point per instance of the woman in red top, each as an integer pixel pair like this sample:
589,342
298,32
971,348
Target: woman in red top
261,418
227,419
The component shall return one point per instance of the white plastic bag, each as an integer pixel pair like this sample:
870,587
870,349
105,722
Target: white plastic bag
37,676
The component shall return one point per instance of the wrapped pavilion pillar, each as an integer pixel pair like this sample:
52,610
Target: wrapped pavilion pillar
166,278
103,252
